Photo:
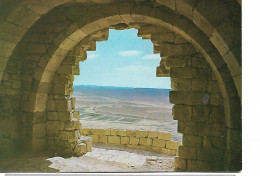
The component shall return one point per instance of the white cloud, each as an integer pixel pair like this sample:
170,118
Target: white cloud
134,68
92,56
138,63
130,53
152,57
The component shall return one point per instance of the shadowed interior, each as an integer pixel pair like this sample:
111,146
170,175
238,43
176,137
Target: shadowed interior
200,47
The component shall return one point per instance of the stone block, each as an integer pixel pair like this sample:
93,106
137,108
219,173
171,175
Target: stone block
39,117
172,145
176,62
213,87
65,115
102,139
87,132
113,139
53,134
206,18
113,132
209,154
76,70
145,141
182,112
74,135
150,29
196,165
39,130
156,149
51,105
180,40
99,132
210,129
164,136
218,114
34,48
204,74
134,141
73,102
216,99
130,133
141,134
88,141
76,114
80,149
161,71
62,105
159,143
176,50
94,138
183,73
121,132
199,85
124,140
107,132
179,164
189,128
72,124
61,89
52,116
55,125
169,152
16,84
199,62
181,84
234,139
163,37
189,98
201,113
89,147
192,141
188,153
185,7
207,142
219,142
235,120
152,134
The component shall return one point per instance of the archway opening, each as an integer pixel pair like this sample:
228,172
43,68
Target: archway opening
117,90
211,127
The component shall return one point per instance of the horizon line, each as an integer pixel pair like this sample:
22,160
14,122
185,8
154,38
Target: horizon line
120,87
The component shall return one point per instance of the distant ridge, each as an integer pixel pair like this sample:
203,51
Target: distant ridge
115,87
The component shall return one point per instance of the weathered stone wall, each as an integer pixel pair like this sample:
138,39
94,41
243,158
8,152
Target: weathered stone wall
198,106
10,113
159,142
36,71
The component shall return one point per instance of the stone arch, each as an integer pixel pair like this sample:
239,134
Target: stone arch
119,15
224,34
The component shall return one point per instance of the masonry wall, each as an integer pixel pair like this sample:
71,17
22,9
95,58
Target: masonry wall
159,142
41,44
198,107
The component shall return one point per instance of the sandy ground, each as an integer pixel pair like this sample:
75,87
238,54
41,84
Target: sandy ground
103,112
101,159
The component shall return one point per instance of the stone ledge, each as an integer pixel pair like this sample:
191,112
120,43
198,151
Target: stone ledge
159,142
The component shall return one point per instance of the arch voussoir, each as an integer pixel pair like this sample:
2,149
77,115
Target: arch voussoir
200,52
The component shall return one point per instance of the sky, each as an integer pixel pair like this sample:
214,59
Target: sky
124,60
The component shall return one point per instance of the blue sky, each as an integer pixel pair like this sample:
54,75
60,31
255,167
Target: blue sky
124,60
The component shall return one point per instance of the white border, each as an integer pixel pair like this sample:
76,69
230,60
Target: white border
251,87
251,98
